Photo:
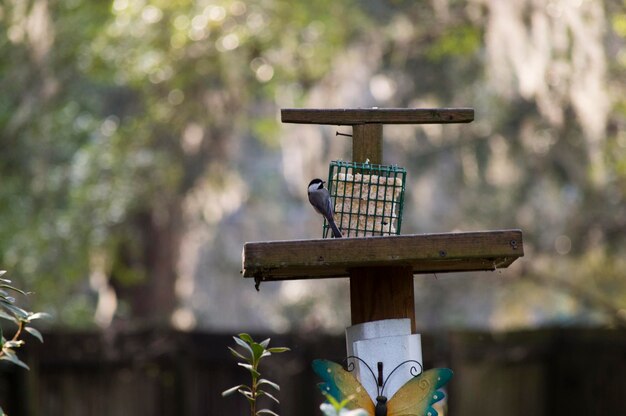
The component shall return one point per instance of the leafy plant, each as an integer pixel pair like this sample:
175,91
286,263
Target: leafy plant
22,318
335,408
254,353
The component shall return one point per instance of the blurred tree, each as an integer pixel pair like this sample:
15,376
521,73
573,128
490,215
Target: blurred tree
545,153
112,113
131,129
545,79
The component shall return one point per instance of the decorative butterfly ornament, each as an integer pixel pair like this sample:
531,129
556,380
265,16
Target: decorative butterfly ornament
415,398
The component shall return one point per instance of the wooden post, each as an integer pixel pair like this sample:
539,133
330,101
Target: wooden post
382,293
378,292
367,143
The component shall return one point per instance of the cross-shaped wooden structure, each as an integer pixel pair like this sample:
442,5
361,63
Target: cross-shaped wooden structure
380,269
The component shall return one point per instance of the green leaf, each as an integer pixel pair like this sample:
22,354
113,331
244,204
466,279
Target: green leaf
39,315
264,393
19,313
231,390
7,298
2,272
12,357
277,350
250,368
336,404
243,344
333,402
265,343
34,333
9,287
236,354
246,393
245,337
8,317
266,412
269,383
257,351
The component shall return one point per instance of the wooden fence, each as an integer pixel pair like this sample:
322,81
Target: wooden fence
153,373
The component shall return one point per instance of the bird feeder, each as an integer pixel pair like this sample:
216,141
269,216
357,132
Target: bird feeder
368,198
379,262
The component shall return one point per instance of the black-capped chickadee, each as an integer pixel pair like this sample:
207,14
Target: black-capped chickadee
320,199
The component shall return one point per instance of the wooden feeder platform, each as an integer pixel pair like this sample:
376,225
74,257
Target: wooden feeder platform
423,253
380,269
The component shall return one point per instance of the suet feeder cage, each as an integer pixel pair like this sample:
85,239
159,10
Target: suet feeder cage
368,198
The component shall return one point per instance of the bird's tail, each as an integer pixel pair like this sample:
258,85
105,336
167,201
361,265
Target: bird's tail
333,227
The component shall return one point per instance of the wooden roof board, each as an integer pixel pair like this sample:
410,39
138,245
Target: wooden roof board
425,253
346,117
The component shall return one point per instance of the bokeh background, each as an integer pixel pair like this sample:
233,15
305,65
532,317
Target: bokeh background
141,146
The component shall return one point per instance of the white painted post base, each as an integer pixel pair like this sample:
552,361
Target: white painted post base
388,341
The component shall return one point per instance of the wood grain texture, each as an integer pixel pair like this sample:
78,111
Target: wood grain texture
382,293
367,143
423,253
350,117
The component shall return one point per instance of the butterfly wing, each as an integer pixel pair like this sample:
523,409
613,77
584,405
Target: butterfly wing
418,395
341,384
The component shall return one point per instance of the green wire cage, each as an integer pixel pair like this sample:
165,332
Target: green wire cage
368,198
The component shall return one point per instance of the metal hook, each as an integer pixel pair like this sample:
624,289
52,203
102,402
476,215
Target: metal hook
343,134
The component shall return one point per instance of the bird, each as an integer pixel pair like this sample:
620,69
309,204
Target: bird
319,197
